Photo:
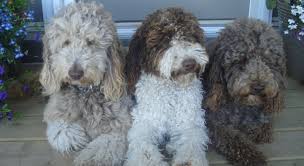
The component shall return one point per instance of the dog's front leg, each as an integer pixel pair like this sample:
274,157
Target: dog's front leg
66,137
143,147
189,145
105,150
260,133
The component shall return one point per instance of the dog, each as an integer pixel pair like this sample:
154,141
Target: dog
245,82
87,114
166,56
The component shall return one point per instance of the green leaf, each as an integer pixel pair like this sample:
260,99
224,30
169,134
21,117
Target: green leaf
271,4
5,108
17,115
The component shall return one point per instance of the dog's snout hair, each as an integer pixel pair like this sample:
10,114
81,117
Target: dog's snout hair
76,71
183,58
257,88
252,77
190,65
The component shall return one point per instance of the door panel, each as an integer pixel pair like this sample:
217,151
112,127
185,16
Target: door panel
136,10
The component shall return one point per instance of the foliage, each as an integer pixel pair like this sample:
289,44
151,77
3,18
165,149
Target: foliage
296,23
271,4
24,86
13,23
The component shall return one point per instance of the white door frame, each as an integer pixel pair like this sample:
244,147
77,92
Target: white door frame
50,7
257,9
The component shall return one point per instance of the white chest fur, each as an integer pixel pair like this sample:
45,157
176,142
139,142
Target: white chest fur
165,108
167,104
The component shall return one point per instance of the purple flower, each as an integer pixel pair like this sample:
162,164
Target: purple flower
3,95
4,3
29,15
12,42
21,31
9,115
1,49
7,26
25,88
1,70
1,82
1,115
18,53
37,36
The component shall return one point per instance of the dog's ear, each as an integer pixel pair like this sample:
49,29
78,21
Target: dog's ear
274,104
215,80
114,82
47,76
133,61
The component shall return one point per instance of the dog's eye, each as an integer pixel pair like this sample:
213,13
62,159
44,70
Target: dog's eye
66,43
90,42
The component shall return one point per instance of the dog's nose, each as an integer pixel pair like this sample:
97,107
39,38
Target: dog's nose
76,72
258,88
189,65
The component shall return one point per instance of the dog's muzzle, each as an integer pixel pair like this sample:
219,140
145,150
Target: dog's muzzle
76,72
188,66
257,89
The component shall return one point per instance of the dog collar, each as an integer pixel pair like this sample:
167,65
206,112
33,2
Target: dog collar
83,90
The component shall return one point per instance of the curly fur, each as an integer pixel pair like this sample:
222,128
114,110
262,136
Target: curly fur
88,118
153,39
169,125
245,80
91,35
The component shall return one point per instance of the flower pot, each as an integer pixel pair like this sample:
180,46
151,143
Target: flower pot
295,57
293,47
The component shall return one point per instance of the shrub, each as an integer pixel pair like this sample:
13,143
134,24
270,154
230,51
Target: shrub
14,18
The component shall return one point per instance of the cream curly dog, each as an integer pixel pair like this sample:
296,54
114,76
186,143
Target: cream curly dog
165,59
87,114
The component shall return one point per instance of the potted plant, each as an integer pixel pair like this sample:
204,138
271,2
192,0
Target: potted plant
14,18
291,13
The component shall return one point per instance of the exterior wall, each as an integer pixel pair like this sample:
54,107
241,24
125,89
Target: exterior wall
208,11
203,9
213,15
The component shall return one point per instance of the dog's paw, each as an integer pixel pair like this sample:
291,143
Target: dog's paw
191,161
96,156
105,150
184,164
66,138
260,135
146,163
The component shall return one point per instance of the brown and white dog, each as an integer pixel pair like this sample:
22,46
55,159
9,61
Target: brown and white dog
166,57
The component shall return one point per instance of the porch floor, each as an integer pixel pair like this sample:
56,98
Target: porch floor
23,143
